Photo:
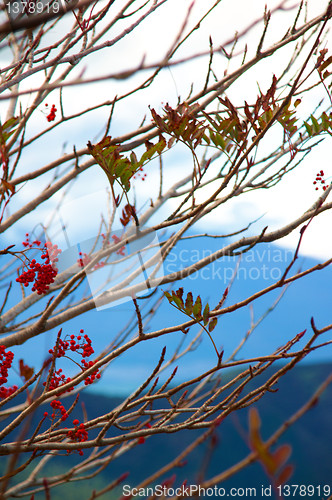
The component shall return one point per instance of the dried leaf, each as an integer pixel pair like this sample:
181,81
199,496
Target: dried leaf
127,212
285,475
282,454
212,324
26,371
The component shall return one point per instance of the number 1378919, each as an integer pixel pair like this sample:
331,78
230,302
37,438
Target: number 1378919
33,7
302,490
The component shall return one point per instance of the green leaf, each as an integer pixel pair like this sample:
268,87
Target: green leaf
177,298
120,166
189,303
197,309
206,139
156,148
133,158
206,313
125,178
315,124
308,128
213,138
220,141
325,121
178,301
217,140
146,156
10,123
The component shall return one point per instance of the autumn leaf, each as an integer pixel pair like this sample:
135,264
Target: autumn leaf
26,372
127,212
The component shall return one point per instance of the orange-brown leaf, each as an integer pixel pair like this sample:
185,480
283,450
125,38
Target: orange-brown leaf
282,454
26,371
285,475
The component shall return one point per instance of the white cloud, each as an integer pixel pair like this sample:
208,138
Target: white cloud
288,200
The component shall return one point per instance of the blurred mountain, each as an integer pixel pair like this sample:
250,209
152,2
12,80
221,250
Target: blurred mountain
257,269
310,439
276,323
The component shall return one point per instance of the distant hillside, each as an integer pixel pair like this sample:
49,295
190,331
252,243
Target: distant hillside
310,438
258,269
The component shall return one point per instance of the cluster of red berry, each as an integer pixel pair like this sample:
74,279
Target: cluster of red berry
45,276
320,179
139,174
99,265
59,379
41,275
116,240
83,260
51,116
94,375
80,344
74,345
6,360
83,347
57,408
78,435
29,244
